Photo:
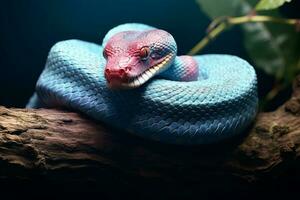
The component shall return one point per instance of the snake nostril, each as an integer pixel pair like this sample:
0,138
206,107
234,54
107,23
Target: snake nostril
121,72
128,69
107,71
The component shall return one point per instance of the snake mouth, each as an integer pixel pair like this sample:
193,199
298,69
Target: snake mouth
137,81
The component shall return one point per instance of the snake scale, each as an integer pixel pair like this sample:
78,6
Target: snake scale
135,82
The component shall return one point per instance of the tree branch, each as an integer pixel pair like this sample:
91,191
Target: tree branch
66,147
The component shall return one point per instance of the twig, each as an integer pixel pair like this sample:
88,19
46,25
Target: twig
274,91
219,25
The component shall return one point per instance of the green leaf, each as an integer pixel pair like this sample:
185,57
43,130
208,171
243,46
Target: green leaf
217,8
270,4
272,47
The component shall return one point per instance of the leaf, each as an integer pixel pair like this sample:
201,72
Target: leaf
270,4
271,47
217,8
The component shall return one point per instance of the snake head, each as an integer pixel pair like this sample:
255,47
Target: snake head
134,57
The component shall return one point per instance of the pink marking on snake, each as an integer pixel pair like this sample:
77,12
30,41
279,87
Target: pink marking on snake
191,72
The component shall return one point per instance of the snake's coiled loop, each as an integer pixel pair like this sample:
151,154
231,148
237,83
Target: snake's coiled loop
222,103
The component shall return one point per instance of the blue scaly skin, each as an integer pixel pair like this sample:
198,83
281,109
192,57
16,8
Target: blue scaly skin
186,100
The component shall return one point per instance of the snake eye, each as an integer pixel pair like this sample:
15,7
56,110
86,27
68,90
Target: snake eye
144,53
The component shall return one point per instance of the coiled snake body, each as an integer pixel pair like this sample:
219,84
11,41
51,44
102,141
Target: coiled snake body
137,83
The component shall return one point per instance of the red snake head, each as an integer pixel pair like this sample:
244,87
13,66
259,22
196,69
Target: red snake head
134,57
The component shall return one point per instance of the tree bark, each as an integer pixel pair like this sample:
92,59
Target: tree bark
47,145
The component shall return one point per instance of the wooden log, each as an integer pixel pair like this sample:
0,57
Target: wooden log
66,148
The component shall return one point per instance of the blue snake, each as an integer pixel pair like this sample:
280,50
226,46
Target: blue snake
136,82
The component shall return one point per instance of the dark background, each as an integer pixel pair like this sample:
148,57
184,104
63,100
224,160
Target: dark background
29,29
